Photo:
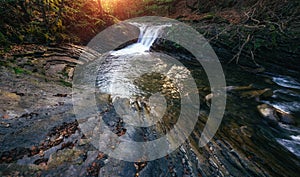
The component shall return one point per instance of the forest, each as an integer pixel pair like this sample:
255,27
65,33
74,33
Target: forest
247,26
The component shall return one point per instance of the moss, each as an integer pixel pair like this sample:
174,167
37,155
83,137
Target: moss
209,16
19,70
65,83
4,63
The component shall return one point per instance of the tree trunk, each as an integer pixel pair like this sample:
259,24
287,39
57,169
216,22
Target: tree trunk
100,7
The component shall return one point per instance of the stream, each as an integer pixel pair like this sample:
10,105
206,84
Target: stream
142,106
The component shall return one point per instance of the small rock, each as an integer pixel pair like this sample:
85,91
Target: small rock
208,99
41,153
5,124
239,88
274,115
100,156
9,96
52,70
70,73
265,93
83,142
66,155
42,162
268,113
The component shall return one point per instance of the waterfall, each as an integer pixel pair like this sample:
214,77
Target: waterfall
148,34
115,74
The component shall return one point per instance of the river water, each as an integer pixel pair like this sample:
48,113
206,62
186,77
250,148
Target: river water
243,128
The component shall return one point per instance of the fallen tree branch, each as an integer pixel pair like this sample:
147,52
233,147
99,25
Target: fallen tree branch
237,56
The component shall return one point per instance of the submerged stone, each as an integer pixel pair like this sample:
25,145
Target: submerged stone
268,113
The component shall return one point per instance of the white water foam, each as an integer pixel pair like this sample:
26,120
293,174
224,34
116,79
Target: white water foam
287,107
148,34
286,81
292,145
297,138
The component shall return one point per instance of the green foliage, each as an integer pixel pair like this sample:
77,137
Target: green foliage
19,70
157,7
65,83
47,21
28,21
258,43
132,8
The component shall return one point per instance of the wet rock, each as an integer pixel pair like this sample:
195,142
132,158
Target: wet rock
256,70
265,93
83,142
9,96
5,116
5,124
9,104
70,72
13,155
94,169
64,59
34,150
57,135
275,115
27,101
41,161
53,70
139,166
268,113
208,99
286,118
239,88
66,155
228,89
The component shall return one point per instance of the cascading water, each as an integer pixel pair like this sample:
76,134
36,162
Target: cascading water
115,73
148,34
122,76
116,78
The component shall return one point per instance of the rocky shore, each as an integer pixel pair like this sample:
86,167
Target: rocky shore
40,136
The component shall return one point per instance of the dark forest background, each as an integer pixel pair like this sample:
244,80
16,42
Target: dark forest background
245,27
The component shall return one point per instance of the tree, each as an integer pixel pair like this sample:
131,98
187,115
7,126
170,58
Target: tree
100,7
